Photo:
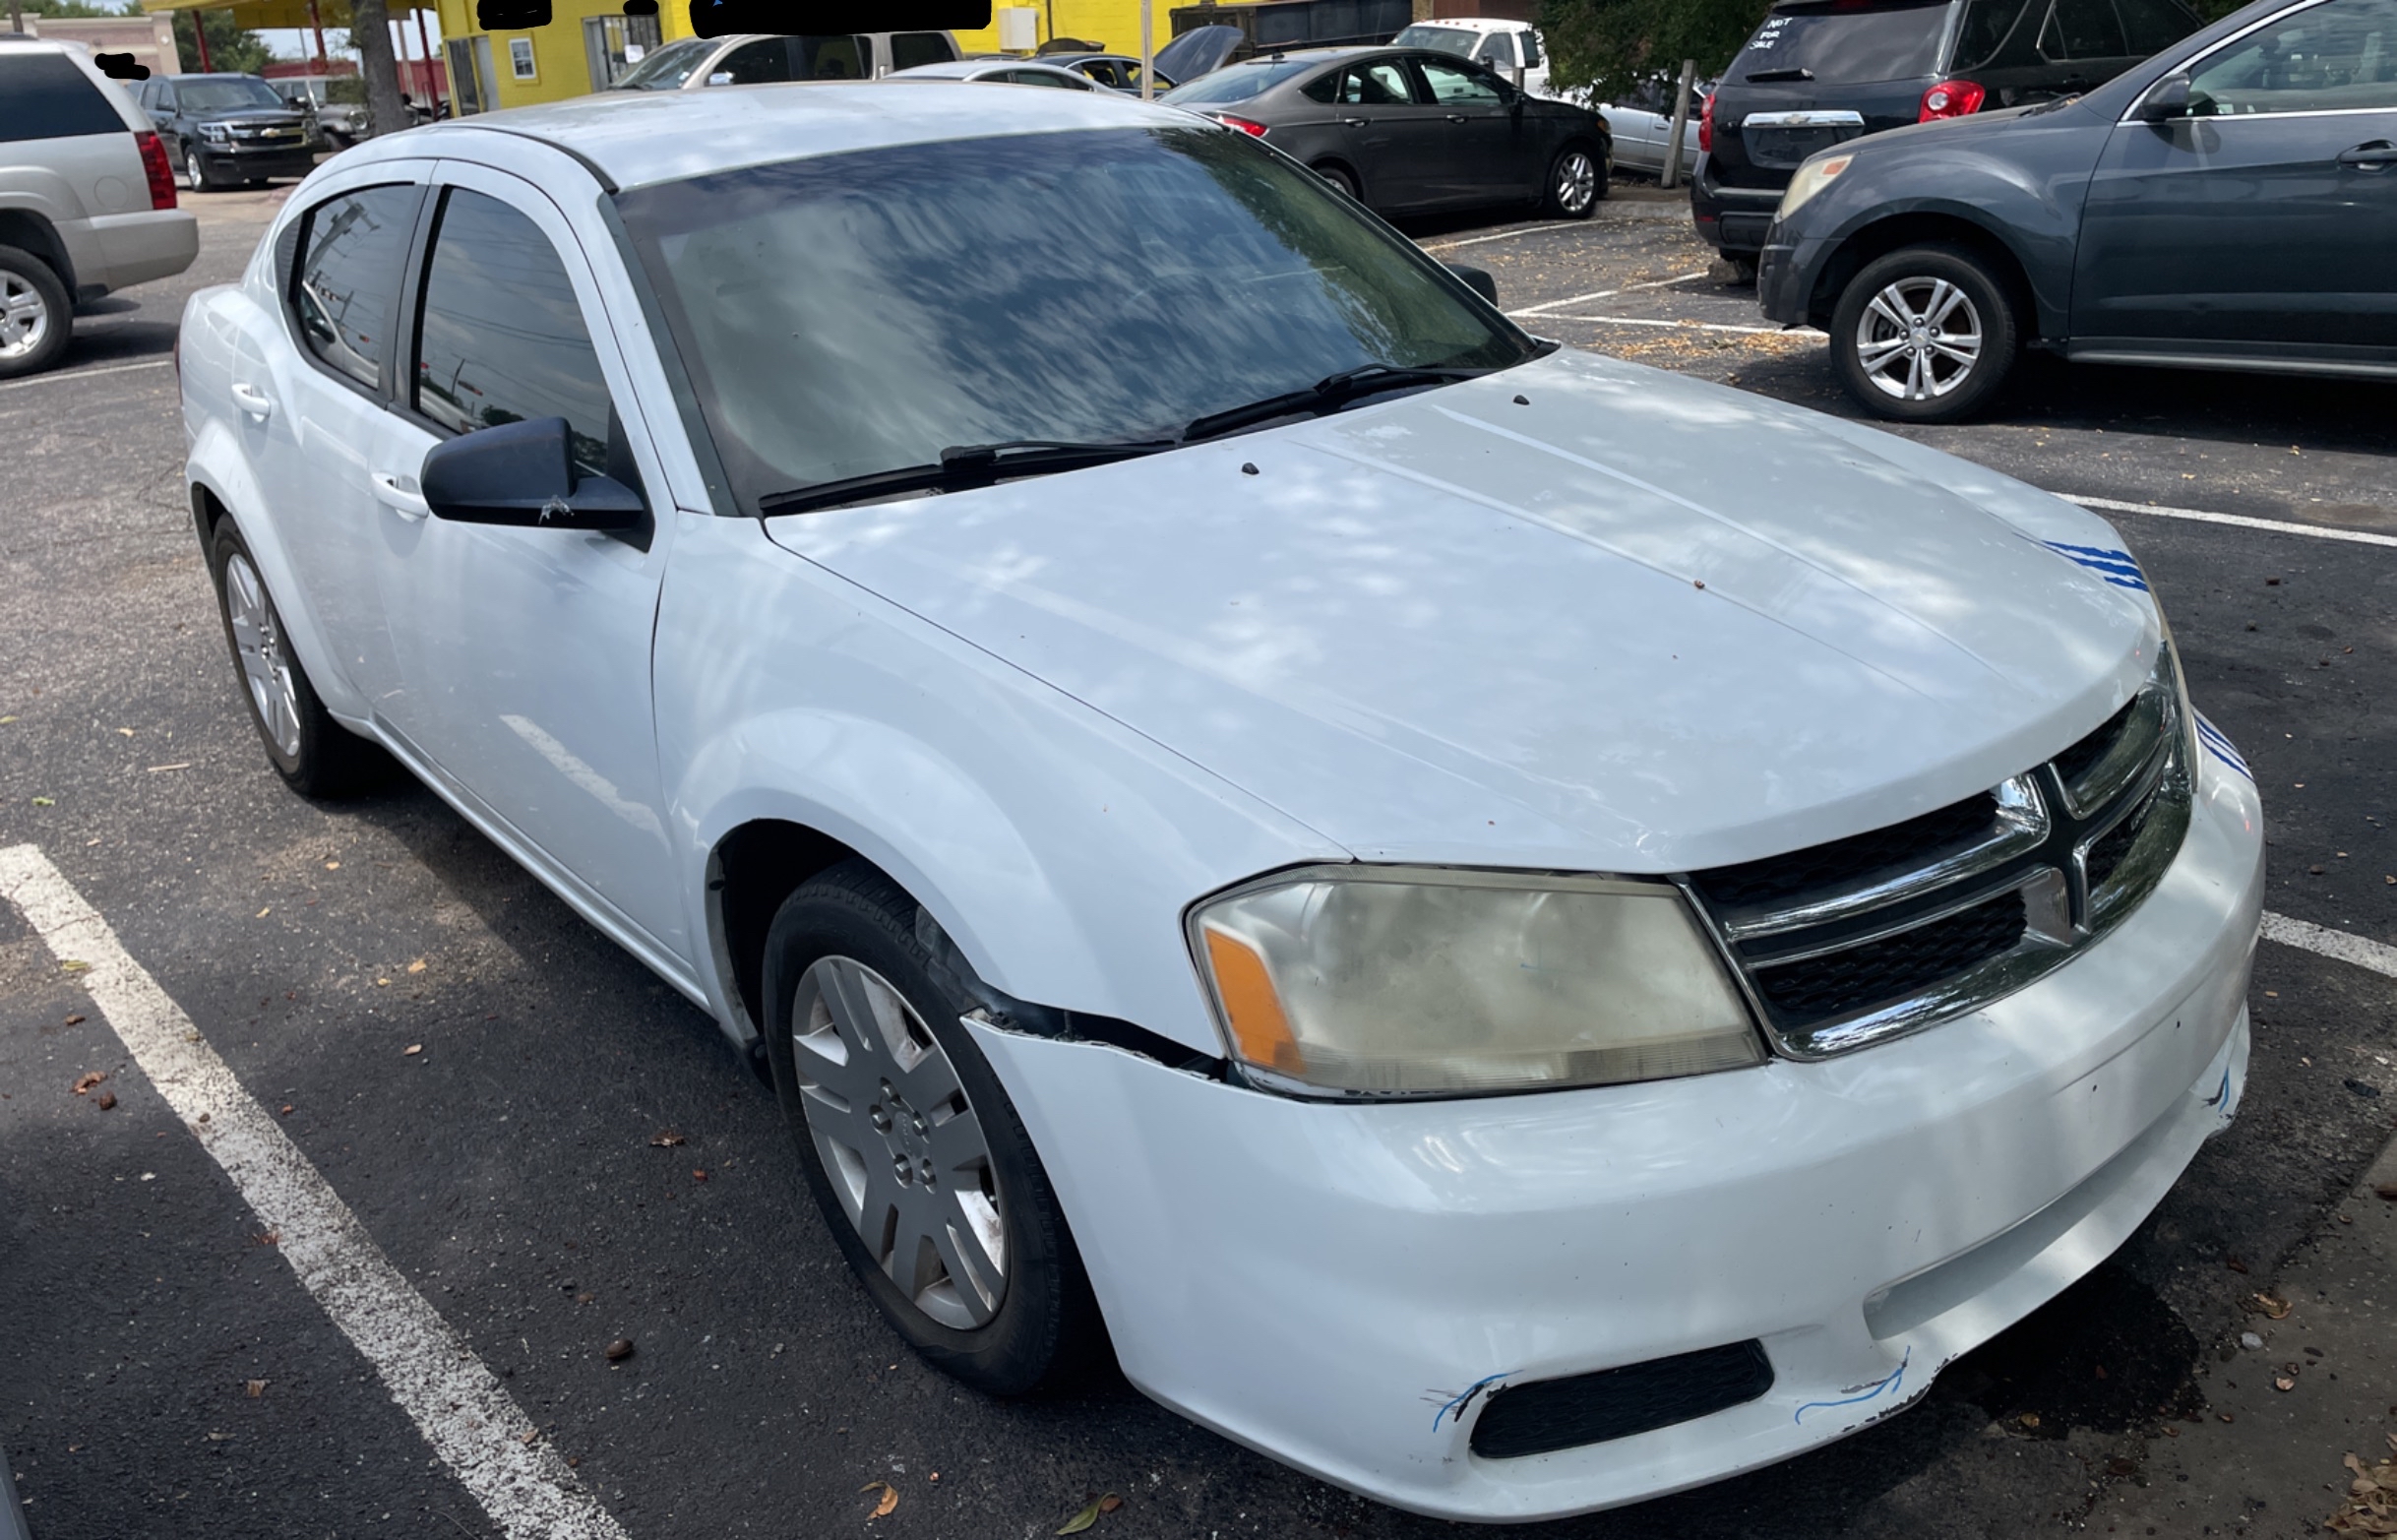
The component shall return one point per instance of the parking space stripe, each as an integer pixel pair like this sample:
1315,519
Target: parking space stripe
472,1422
84,374
1507,235
2340,945
1607,293
2237,521
1688,325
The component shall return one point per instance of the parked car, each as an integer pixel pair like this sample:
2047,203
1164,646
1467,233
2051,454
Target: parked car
87,199
1002,72
757,58
229,130
1642,124
1202,51
1115,71
1484,906
1820,73
1499,47
340,123
2231,203
1407,130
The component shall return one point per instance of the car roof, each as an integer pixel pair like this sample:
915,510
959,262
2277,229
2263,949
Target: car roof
639,137
1472,23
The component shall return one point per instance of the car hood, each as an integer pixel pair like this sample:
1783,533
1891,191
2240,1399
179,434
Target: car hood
1581,614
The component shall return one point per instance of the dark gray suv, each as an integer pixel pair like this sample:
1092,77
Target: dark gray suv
2231,203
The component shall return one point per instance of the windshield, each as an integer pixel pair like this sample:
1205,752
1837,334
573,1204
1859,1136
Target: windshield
849,314
1845,42
1238,83
217,93
665,69
1448,39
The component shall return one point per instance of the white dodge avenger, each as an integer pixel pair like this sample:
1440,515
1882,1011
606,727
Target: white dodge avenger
1514,931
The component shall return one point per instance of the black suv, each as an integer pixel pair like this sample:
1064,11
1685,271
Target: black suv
225,130
1819,71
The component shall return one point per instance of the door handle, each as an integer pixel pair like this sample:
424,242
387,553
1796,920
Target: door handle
1355,122
250,399
1456,117
399,495
2376,156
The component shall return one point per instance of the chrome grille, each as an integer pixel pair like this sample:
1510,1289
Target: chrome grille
1863,939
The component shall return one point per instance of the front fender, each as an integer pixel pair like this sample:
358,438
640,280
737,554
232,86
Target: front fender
1056,847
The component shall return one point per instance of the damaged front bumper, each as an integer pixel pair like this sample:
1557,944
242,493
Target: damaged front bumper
1793,1252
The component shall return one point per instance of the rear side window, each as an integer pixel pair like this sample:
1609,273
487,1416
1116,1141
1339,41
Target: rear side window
2153,25
1377,86
909,50
500,337
346,288
1998,34
2083,29
1845,43
43,95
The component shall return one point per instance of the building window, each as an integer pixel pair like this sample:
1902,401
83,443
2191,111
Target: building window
519,59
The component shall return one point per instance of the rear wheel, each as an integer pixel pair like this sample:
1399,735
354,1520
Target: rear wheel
1340,177
35,314
923,1171
1576,180
1924,334
316,755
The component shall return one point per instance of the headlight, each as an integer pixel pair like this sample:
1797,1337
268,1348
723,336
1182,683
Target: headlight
1812,178
215,133
1366,980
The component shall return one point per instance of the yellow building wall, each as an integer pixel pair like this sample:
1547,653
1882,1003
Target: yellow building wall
560,62
1116,24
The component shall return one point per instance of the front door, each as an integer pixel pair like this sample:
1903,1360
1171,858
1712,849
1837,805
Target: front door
1393,139
523,653
1486,153
2264,222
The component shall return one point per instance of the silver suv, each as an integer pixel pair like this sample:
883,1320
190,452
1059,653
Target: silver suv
758,58
87,198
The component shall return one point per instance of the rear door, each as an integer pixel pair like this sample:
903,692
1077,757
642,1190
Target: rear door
2267,223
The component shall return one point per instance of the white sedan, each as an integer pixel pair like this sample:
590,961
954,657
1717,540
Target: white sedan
1525,932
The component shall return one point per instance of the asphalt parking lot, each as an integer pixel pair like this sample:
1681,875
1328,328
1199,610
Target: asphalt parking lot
555,1153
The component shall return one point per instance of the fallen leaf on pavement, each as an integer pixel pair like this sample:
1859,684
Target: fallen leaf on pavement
1110,1502
2276,1309
1090,1514
45,802
74,1020
884,1504
2388,1189
619,1351
107,1101
417,966
2029,1419
88,1078
412,1049
2283,1383
664,1138
2371,1508
531,1437
255,1388
74,965
699,1176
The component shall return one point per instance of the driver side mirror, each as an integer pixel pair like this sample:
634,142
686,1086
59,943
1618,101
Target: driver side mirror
1477,280
522,473
2166,100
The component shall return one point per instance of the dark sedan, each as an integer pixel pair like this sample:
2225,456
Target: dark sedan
1407,131
2231,203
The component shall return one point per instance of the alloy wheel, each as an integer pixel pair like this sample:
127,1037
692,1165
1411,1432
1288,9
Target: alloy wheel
191,168
1577,182
258,636
1919,338
901,1143
24,319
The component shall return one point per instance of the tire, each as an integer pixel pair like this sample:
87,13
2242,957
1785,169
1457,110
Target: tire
316,755
196,174
1577,181
1005,1322
1341,179
36,316
1924,334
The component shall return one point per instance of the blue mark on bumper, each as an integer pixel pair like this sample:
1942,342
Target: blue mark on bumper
2221,747
1897,1378
2116,567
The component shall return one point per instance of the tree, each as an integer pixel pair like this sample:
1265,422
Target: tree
370,30
231,49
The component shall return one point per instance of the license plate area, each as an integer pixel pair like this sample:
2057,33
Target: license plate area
1782,140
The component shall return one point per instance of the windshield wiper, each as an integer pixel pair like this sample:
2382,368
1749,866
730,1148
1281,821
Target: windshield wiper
1326,395
1760,76
960,468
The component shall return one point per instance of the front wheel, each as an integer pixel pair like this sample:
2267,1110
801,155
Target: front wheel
195,171
1576,180
1924,334
915,1155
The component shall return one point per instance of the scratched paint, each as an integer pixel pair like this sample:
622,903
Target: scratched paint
1888,1386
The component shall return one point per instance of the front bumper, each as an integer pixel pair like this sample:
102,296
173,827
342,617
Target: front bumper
1330,1283
243,161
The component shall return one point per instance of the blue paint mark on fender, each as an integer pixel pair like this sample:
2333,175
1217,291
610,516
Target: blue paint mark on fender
2116,567
2218,744
1460,1402
1897,1377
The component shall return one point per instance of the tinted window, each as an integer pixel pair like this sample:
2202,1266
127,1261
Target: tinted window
226,94
2082,30
852,313
1238,83
501,335
753,64
1376,85
1497,52
2341,55
665,69
1842,43
1997,35
2153,25
1056,78
347,283
1454,84
1324,87
1531,48
43,95
1448,39
909,50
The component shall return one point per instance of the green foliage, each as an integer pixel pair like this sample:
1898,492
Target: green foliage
231,49
69,9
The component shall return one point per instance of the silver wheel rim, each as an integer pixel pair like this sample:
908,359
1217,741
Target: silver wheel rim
258,640
1577,182
1919,339
900,1142
25,316
191,168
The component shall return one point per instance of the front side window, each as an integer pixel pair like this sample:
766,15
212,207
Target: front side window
1455,85
2339,56
758,63
345,287
500,336
850,314
1498,53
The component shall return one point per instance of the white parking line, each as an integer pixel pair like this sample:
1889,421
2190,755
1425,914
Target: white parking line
84,374
1507,235
2238,521
472,1422
1606,293
1688,325
2363,954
